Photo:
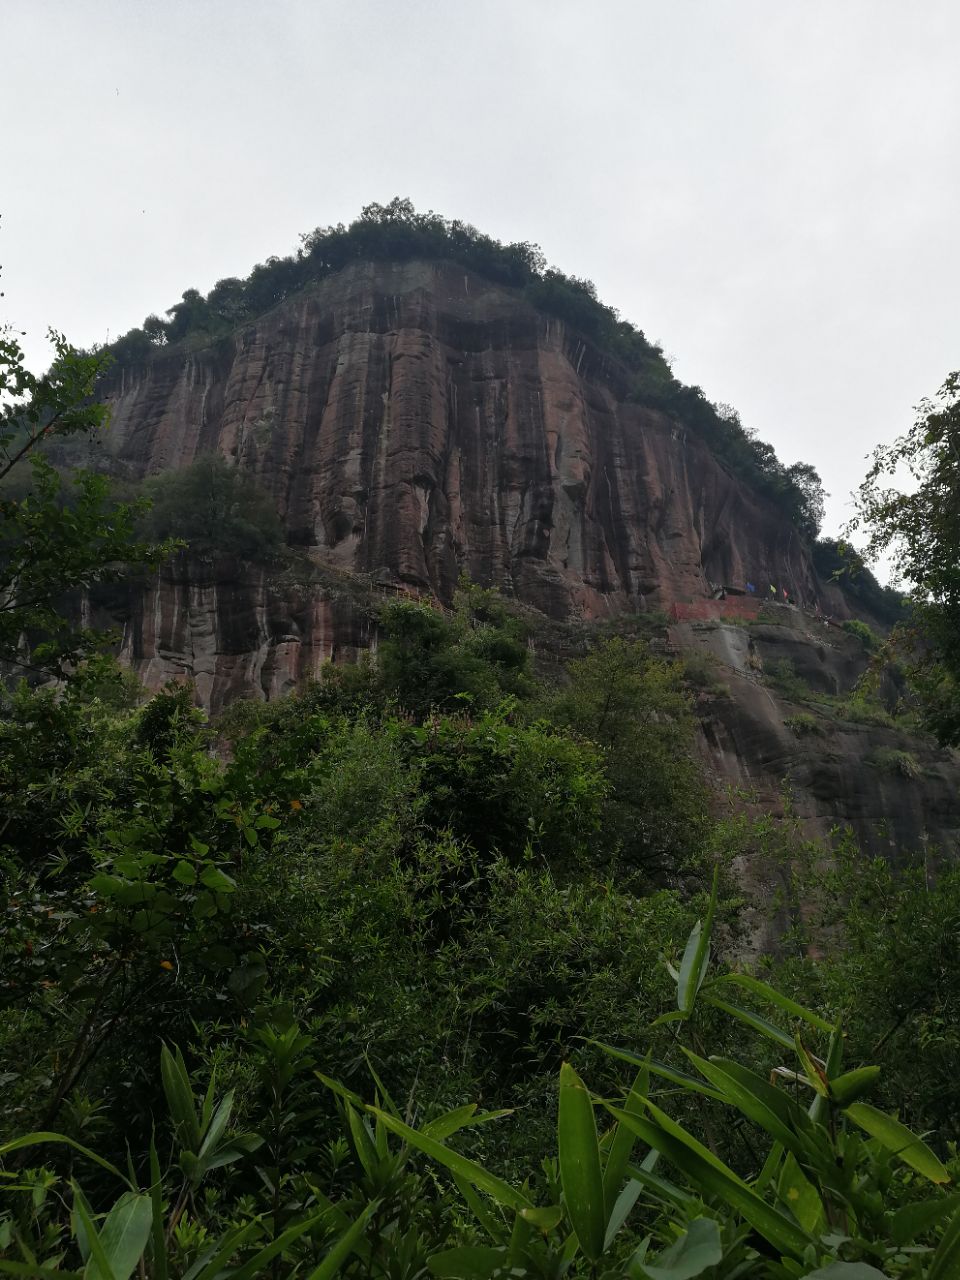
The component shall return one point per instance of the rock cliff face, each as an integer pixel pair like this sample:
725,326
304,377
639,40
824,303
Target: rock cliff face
413,421
840,766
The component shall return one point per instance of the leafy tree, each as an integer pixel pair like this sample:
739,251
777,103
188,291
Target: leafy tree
920,529
635,708
57,537
214,507
476,657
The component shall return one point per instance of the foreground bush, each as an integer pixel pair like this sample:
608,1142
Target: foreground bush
832,1188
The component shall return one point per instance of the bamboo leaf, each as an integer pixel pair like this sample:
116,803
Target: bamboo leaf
800,1196
254,1267
42,1135
461,1118
469,1170
344,1246
579,1155
36,1272
752,1020
759,1101
209,1266
772,996
98,1264
710,1176
896,1137
621,1147
661,1069
179,1095
853,1085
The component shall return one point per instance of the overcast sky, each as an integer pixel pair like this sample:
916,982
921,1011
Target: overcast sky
770,188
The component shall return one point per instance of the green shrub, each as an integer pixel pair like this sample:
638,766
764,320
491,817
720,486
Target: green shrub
867,637
782,675
702,672
892,760
862,711
803,724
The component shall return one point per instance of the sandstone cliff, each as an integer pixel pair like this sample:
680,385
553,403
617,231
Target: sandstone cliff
413,421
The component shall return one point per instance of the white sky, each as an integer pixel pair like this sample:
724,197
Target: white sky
770,188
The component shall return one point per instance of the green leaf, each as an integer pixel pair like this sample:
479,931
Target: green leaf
185,872
853,1084
621,1209
912,1220
209,1266
460,1118
758,1100
254,1267
344,1245
218,880
896,1137
123,1236
800,1196
621,1146
696,956
752,1020
710,1176
698,1248
362,1141
579,1156
846,1271
945,1264
469,1170
217,1125
469,1262
159,1251
98,1264
176,1086
41,1136
768,993
545,1219
34,1271
661,1069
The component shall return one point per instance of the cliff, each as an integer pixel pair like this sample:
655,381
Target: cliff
414,421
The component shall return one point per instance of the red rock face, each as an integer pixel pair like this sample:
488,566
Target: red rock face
414,421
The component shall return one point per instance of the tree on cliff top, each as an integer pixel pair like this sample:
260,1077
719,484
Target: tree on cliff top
921,530
57,536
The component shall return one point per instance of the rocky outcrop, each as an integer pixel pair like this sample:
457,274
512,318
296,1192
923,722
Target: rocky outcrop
780,723
413,421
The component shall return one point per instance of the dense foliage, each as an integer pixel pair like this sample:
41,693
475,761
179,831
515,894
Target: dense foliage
396,232
58,535
920,528
213,507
